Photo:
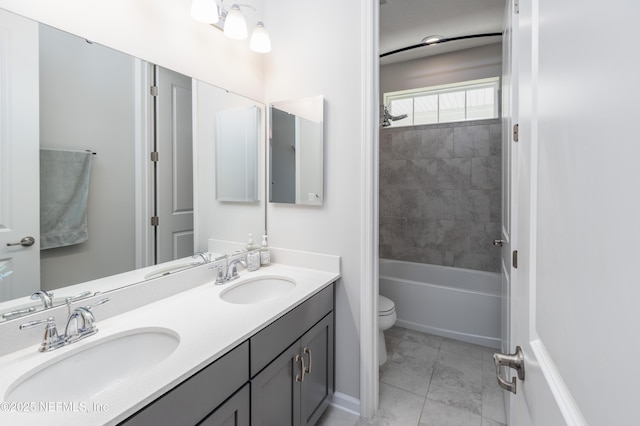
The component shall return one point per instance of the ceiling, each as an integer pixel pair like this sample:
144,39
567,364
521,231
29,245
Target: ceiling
406,22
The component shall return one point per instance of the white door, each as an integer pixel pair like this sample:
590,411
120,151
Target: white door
509,163
19,152
576,298
174,166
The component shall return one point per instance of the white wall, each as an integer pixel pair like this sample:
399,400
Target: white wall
158,31
318,53
468,64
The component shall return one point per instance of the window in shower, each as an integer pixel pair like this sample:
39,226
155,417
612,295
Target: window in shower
468,100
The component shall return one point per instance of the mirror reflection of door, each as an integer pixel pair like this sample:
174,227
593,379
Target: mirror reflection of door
174,168
84,96
283,157
19,202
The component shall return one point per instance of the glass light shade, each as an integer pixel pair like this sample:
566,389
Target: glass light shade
204,11
260,41
235,26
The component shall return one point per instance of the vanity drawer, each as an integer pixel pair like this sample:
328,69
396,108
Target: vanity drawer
268,343
192,400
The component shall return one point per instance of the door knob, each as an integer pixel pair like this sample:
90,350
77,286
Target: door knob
498,242
25,242
515,361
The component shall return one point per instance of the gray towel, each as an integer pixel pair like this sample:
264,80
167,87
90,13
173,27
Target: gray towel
64,191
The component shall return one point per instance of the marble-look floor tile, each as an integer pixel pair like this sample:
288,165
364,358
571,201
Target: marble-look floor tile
397,408
410,367
492,397
396,331
423,338
489,422
464,399
437,414
464,348
337,417
457,381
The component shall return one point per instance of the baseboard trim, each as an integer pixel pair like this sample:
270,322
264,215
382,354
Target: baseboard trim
346,403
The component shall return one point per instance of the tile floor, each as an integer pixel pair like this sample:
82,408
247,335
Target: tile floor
430,380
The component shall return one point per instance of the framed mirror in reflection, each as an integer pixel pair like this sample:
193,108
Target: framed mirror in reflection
296,157
68,95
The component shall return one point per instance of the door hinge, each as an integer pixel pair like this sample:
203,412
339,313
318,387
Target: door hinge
516,132
514,259
154,90
155,221
516,6
154,156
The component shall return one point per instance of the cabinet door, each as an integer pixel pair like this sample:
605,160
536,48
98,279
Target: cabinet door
234,412
316,346
275,392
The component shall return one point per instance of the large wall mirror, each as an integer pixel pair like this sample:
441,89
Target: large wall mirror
62,93
296,151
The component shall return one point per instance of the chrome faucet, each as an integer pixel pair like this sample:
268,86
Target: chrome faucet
45,296
84,322
232,267
51,340
84,326
205,257
230,272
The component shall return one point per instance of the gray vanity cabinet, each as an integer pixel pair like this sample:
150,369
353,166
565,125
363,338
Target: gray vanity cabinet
295,387
209,396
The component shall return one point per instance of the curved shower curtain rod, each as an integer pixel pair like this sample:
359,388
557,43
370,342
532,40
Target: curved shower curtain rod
442,40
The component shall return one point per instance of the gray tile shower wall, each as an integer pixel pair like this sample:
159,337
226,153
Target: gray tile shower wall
440,194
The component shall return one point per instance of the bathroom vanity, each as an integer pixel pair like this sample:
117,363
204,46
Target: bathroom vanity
258,350
281,375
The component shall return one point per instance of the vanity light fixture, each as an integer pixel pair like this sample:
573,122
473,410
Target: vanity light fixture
205,11
232,22
260,41
235,26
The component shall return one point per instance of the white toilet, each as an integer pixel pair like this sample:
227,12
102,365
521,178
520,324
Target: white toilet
386,319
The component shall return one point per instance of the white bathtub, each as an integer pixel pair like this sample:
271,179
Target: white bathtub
462,304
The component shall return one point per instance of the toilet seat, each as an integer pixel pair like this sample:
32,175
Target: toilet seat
385,306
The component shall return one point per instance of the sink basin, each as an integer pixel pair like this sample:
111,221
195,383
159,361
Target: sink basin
83,374
259,289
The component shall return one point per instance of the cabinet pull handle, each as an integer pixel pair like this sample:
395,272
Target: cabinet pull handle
308,352
300,377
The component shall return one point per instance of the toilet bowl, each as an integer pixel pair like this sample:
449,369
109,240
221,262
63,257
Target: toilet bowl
386,319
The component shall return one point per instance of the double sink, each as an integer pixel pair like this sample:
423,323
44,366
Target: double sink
97,365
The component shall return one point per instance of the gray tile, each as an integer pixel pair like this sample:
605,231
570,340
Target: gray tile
411,367
486,172
437,143
453,173
397,408
423,338
481,236
461,398
492,397
337,417
463,348
474,205
489,422
438,414
391,343
472,141
396,331
458,371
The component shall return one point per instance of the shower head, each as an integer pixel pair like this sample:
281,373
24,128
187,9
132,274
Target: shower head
387,116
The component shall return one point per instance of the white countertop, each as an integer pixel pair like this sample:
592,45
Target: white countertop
208,327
